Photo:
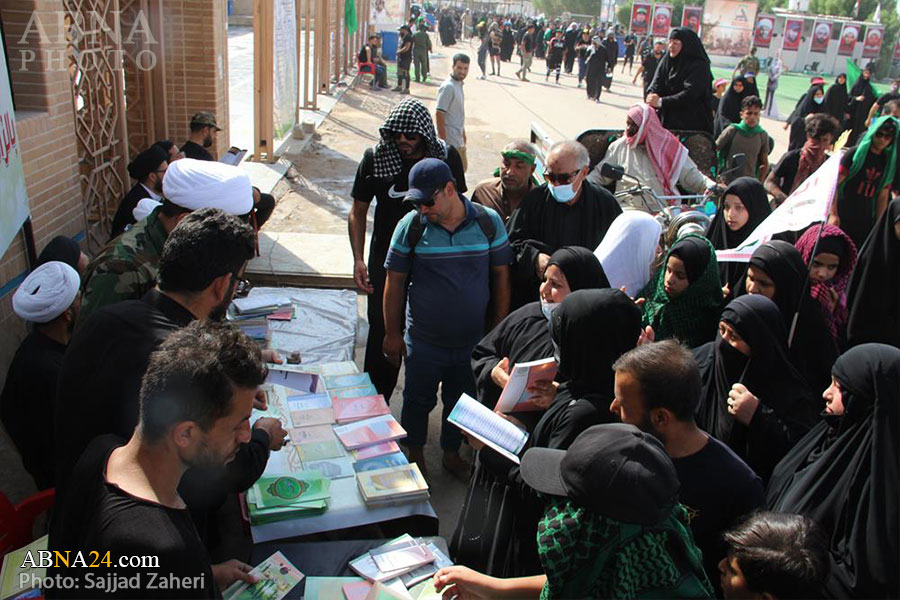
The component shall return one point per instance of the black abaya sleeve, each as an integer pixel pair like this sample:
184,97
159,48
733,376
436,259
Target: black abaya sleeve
492,348
770,438
695,87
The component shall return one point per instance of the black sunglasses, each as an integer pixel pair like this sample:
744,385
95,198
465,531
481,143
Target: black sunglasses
560,178
886,133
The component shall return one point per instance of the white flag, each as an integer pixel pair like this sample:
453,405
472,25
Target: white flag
809,203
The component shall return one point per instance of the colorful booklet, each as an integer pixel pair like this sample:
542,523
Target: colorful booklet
348,410
515,396
332,468
376,450
314,416
427,571
365,566
316,433
393,483
402,556
487,426
358,590
353,392
15,578
277,576
320,450
334,382
380,462
370,431
308,401
285,490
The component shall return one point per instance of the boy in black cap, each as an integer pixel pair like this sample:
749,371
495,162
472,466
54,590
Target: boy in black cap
612,528
404,59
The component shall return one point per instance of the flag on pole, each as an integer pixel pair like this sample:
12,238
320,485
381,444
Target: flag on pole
856,10
877,16
350,15
809,203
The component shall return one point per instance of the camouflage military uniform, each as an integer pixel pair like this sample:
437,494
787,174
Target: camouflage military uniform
126,267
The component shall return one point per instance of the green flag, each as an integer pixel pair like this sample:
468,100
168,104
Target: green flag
854,73
350,15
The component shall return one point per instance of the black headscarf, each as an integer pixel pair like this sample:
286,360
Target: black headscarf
691,46
812,349
836,99
873,295
694,253
580,266
754,197
63,249
805,107
729,110
688,70
786,404
844,475
590,330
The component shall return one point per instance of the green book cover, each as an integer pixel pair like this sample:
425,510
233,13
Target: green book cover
287,490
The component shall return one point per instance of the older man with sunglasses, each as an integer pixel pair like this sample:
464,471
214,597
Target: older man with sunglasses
407,136
568,210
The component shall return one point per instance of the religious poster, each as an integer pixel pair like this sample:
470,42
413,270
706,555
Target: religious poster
13,199
849,36
640,18
793,34
874,39
765,27
285,88
691,17
662,20
821,35
728,27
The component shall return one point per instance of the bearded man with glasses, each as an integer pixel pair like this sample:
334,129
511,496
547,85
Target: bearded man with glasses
568,210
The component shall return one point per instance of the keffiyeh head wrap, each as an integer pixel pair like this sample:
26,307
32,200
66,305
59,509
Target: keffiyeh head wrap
667,154
409,116
47,292
834,241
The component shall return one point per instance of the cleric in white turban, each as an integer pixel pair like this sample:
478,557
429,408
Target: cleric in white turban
47,292
49,299
126,268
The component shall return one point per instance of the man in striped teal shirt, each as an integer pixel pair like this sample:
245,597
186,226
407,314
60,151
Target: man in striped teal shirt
457,265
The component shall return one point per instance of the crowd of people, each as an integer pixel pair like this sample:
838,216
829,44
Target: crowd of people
714,429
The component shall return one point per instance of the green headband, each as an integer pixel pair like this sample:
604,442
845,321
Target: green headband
518,154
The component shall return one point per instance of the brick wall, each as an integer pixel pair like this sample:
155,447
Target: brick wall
46,131
196,65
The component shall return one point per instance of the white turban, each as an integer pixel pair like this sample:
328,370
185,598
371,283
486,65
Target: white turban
47,292
144,207
195,184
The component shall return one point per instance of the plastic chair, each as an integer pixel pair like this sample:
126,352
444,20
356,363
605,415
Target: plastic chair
17,522
367,68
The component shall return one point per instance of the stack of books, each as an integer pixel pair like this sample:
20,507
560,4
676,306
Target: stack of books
406,559
277,498
392,485
259,305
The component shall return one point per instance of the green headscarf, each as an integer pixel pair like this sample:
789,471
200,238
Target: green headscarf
587,555
862,150
693,315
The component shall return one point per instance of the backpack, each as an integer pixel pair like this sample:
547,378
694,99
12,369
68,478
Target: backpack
417,228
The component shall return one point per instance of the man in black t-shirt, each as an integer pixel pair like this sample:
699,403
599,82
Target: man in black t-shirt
782,180
630,47
649,62
196,399
526,49
556,51
203,135
404,59
657,389
407,136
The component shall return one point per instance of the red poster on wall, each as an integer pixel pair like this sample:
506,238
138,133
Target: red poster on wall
691,17
793,34
765,27
640,18
820,37
874,39
849,36
897,50
662,20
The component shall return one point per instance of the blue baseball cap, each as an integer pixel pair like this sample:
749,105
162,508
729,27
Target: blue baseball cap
425,178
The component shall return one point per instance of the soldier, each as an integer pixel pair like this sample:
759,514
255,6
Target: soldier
126,267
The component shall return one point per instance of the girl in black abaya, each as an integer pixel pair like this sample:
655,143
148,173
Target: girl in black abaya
873,295
777,271
836,101
844,474
682,86
524,335
752,398
812,102
754,207
497,528
729,110
862,97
